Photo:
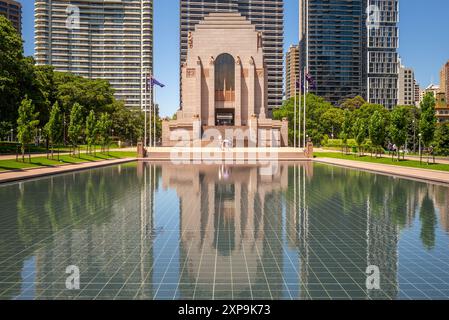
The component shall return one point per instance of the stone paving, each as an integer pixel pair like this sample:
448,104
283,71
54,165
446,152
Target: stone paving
410,173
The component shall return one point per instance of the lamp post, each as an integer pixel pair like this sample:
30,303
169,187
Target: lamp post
414,136
12,134
64,133
420,153
39,137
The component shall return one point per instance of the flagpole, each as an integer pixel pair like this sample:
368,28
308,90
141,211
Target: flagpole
151,104
154,117
299,110
304,113
294,116
145,107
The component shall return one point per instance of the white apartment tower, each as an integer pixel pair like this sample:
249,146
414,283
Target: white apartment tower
98,39
382,42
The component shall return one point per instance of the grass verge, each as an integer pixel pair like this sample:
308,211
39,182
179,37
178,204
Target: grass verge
38,162
384,160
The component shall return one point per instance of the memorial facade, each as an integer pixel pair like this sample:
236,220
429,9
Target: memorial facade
224,85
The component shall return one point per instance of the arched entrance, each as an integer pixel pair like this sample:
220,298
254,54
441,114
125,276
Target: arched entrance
224,90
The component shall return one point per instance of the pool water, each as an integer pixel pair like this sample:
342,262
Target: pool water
163,231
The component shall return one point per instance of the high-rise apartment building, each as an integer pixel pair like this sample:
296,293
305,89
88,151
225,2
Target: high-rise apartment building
268,18
349,47
100,39
417,94
406,86
13,11
291,70
382,42
444,80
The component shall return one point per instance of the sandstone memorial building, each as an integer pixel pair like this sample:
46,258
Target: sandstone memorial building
224,85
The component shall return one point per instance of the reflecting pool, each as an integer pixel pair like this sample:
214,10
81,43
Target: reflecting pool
163,231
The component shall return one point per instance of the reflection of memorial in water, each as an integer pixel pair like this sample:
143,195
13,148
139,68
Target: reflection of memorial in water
231,226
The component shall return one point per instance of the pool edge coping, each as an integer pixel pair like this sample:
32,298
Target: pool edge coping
356,165
30,174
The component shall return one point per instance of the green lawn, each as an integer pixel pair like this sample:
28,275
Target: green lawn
7,148
385,160
36,162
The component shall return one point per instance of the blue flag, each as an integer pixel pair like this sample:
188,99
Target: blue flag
153,82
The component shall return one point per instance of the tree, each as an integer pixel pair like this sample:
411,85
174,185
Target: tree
353,103
5,130
12,71
127,124
399,126
42,89
429,222
53,128
442,139
377,130
104,126
428,121
331,121
91,131
315,107
75,125
93,94
414,115
360,133
346,129
367,110
26,124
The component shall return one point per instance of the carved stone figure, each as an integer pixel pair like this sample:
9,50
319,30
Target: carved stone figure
259,39
238,61
190,40
211,60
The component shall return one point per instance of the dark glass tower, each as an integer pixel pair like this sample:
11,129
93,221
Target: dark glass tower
267,16
331,37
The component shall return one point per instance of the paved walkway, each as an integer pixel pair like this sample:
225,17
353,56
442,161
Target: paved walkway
442,160
16,175
391,170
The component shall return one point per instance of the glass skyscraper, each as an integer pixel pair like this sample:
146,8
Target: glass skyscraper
350,48
268,18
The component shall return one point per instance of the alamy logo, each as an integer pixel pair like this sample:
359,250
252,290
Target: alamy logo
372,278
373,17
73,17
72,282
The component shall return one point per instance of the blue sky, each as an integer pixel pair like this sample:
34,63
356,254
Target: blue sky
424,41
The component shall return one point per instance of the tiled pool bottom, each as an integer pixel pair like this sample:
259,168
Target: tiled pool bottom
147,231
